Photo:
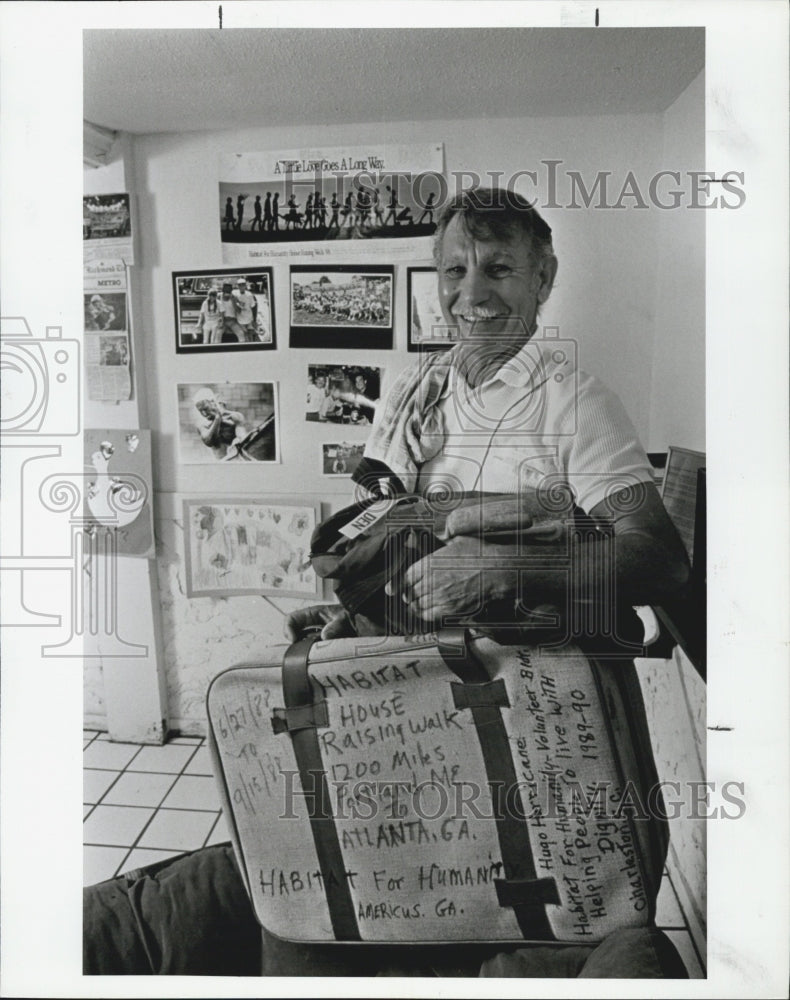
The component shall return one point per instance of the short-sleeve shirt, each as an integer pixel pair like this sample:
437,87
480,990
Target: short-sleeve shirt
538,417
227,307
246,302
315,398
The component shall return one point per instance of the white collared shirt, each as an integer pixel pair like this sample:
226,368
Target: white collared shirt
538,416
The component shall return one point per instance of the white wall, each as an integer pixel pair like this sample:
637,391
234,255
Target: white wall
675,702
677,393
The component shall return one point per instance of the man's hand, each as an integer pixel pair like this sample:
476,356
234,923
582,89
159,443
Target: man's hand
459,578
330,619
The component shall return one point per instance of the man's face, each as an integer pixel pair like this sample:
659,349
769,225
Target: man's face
360,383
490,289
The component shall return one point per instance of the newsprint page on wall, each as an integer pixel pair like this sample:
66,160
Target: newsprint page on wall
274,386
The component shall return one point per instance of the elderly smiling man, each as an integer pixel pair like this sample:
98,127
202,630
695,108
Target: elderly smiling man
505,413
502,413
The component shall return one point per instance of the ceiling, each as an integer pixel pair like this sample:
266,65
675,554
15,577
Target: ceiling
176,80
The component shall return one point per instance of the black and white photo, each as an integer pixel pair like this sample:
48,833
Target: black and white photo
224,311
351,202
360,207
341,458
227,422
105,311
342,394
505,621
114,350
107,228
427,328
343,306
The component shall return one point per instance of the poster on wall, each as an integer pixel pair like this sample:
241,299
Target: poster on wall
342,394
427,329
106,325
349,306
227,422
107,227
224,310
117,493
367,202
246,545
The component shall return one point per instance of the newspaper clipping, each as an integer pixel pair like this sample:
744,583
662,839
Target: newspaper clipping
106,309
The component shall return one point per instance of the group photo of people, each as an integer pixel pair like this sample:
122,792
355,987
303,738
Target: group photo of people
223,309
105,215
361,207
340,298
342,394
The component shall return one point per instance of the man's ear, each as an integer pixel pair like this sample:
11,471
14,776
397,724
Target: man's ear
546,275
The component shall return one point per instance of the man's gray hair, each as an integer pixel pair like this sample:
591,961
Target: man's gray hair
495,213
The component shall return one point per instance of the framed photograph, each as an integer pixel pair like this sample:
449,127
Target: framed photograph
342,394
228,422
341,458
224,310
342,306
427,328
246,545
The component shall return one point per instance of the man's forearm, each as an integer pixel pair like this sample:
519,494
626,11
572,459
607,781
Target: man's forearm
210,434
632,566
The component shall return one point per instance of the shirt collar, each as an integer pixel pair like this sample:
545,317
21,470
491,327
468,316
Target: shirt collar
533,364
530,367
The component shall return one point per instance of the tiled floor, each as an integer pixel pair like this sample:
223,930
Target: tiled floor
145,804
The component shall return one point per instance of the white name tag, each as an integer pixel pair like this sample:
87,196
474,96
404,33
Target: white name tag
368,518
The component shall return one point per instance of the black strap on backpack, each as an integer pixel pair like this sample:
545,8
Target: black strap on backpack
521,889
301,718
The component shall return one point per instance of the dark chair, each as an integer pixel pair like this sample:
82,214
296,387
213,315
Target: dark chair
683,491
